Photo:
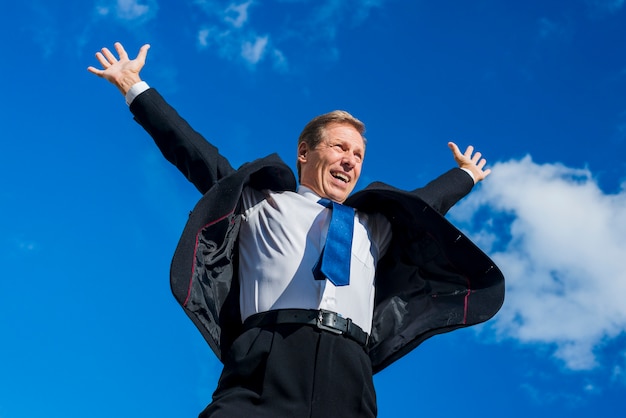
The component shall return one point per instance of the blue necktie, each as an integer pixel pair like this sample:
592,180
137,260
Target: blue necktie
334,261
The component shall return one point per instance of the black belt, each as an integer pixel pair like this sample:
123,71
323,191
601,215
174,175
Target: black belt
321,319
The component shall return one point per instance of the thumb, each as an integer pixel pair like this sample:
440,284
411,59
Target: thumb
143,52
455,150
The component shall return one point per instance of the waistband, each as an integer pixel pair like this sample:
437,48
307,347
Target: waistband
320,319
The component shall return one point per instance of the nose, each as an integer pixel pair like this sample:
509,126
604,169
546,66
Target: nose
349,159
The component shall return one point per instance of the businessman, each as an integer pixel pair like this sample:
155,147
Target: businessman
302,289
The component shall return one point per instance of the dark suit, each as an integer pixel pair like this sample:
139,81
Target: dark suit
432,279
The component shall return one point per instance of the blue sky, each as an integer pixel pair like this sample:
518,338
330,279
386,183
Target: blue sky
91,213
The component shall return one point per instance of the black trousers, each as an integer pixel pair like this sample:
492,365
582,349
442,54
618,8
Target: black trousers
294,371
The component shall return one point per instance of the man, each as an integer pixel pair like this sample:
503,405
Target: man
297,340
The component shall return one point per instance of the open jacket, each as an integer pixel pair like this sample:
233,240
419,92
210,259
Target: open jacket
432,279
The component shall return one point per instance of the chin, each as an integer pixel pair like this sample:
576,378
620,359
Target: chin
338,194
339,197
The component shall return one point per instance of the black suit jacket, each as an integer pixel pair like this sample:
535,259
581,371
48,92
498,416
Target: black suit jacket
432,279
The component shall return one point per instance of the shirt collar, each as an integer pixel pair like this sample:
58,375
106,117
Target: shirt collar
308,193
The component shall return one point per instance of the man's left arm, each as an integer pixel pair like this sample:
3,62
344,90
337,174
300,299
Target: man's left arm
447,189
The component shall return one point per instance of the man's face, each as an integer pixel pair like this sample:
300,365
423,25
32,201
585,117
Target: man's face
333,167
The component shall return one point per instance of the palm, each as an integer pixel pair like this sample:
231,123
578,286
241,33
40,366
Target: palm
122,72
471,161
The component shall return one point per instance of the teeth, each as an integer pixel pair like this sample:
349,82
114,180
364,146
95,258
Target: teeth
341,177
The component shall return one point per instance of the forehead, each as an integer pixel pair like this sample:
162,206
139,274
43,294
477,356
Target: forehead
344,132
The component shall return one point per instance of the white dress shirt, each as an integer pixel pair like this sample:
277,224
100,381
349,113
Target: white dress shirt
135,90
280,240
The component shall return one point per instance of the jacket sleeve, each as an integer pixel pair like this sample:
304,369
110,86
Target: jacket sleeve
198,160
446,190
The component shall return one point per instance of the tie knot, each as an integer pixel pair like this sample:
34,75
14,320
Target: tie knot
330,204
325,202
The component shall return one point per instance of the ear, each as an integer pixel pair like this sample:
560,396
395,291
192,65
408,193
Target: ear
303,149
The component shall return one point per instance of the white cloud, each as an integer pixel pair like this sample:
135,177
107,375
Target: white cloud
331,15
554,396
232,40
210,36
230,26
618,374
559,241
237,15
203,37
128,10
253,51
131,9
280,61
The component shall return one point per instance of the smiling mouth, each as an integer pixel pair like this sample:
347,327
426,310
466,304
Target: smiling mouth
341,176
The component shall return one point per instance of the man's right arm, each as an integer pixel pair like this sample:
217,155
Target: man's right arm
196,158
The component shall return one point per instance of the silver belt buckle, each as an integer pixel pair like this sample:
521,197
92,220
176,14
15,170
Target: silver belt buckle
325,321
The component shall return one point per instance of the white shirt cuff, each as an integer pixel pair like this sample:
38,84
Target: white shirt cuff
470,173
135,91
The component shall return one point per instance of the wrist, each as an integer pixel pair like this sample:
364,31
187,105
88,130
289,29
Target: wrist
135,91
468,171
126,81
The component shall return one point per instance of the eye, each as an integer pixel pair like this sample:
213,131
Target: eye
337,147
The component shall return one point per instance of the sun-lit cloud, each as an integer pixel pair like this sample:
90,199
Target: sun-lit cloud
618,374
208,35
234,28
331,15
237,14
253,51
559,240
128,10
279,60
230,34
553,396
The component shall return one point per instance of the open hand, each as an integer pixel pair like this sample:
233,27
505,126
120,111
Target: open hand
122,72
470,161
